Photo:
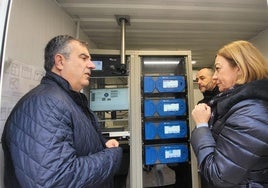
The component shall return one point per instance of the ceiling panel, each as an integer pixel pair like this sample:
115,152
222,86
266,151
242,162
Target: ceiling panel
201,26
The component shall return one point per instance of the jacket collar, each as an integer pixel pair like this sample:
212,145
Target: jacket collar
208,95
51,76
257,89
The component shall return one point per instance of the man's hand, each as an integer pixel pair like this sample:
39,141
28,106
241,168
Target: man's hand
112,143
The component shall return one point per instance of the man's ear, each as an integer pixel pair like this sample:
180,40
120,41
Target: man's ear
58,59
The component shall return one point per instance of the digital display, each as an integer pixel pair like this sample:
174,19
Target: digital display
172,153
110,99
171,107
170,83
98,65
172,129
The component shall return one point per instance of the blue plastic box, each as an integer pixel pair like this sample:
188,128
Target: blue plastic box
164,154
165,130
164,107
163,84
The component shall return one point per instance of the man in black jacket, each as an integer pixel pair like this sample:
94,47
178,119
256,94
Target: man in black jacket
209,89
206,84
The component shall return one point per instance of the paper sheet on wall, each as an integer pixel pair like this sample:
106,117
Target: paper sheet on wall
18,79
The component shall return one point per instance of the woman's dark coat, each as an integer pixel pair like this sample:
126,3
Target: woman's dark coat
233,151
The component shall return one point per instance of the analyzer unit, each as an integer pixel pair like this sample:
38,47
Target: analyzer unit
165,113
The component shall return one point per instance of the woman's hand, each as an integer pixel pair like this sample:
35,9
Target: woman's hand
201,113
112,143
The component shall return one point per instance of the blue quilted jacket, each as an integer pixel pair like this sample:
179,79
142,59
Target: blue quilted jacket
233,152
52,139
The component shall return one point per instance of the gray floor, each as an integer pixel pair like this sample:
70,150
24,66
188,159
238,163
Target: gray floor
159,175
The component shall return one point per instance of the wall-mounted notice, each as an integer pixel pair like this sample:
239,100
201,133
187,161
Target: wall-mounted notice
18,79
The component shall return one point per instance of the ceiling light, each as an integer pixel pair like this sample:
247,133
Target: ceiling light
161,62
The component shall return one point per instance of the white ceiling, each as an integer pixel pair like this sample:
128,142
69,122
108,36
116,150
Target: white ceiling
201,26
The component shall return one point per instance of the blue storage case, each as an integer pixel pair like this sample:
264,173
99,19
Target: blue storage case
164,84
170,153
165,107
165,130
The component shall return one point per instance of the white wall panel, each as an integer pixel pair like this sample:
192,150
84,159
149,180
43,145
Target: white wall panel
261,42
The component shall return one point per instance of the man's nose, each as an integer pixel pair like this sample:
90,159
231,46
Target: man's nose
91,65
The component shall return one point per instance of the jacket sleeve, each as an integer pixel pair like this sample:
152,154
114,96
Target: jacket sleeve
240,147
202,142
44,153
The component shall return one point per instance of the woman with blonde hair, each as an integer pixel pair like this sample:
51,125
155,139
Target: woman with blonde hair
231,135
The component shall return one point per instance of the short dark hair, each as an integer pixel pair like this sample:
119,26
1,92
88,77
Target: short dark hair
58,44
210,69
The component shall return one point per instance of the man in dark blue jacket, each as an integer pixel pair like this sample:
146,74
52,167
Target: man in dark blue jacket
209,89
52,138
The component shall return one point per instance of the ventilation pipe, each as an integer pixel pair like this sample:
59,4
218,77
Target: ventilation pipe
77,29
123,21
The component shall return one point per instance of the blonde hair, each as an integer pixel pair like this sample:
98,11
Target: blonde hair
248,58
